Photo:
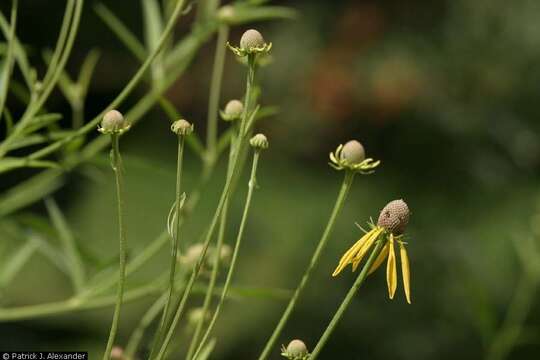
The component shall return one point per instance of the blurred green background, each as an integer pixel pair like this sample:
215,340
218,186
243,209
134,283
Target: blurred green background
445,93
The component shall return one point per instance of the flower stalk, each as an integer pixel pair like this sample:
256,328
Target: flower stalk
247,206
235,165
340,201
350,295
182,128
116,163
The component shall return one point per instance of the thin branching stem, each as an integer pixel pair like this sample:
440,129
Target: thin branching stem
116,163
350,295
236,166
345,187
247,206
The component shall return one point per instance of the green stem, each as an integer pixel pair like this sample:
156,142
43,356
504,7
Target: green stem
250,82
236,168
211,284
345,187
176,236
117,168
350,295
508,334
215,90
252,185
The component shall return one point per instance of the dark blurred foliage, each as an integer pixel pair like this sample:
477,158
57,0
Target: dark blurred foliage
445,93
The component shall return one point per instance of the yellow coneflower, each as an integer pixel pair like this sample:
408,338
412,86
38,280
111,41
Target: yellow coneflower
390,227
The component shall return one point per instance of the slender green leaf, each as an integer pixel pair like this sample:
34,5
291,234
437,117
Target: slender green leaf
41,121
16,262
8,63
153,27
243,13
8,164
129,40
75,265
19,51
29,191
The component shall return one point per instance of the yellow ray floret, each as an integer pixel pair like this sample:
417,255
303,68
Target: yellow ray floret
405,271
380,259
355,254
391,271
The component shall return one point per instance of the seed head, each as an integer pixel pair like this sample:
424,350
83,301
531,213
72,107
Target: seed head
296,350
182,127
251,39
353,152
114,123
259,142
233,110
394,217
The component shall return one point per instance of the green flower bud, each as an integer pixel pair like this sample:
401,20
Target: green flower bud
296,350
259,142
233,110
353,152
114,123
394,217
251,39
182,127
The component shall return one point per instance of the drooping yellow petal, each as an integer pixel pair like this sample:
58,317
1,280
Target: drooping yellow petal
349,254
405,271
391,271
348,257
380,259
365,247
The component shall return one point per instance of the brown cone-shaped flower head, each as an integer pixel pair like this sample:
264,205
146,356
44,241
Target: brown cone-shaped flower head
394,217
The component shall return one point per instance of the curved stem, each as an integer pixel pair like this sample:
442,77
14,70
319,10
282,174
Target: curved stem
346,185
252,185
176,236
341,310
117,168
